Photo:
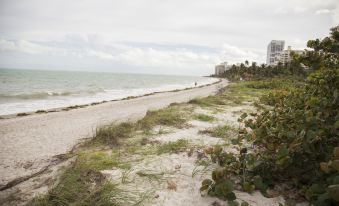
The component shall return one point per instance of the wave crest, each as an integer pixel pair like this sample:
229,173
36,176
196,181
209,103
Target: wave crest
35,95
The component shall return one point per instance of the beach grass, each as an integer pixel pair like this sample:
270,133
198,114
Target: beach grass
83,184
112,134
77,186
221,131
242,92
175,116
22,114
41,111
173,147
151,175
204,117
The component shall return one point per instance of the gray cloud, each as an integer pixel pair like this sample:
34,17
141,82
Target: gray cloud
170,36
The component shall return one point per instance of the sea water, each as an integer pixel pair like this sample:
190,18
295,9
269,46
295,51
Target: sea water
32,90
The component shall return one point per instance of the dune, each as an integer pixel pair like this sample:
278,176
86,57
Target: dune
29,144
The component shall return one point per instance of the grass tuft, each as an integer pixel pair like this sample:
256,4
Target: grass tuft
151,175
222,131
170,116
173,147
22,114
204,117
111,134
41,111
241,92
83,184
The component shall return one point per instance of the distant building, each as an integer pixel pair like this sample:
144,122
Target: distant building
285,57
274,50
221,68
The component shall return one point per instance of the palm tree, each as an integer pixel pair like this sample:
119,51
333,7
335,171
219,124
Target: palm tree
246,62
254,65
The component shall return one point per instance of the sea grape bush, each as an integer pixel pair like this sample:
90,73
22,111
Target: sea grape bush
298,133
300,126
294,140
327,191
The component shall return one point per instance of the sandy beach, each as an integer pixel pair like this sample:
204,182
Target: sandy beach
31,143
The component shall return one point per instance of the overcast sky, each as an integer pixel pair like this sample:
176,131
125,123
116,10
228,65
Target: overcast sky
154,36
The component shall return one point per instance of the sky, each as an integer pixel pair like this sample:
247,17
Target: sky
183,37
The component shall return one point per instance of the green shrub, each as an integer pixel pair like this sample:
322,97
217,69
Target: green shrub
204,117
170,116
295,141
173,147
110,134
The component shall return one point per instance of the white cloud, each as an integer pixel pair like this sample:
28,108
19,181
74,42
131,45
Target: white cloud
298,44
191,33
299,9
179,58
280,11
27,47
233,54
150,57
100,54
322,11
335,16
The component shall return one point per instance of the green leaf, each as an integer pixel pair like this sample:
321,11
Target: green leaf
317,189
336,124
282,151
205,184
247,187
218,174
336,180
335,165
336,153
222,188
244,203
233,203
333,192
258,183
243,116
228,186
323,200
231,196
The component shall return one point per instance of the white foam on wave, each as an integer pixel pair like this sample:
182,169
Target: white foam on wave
107,95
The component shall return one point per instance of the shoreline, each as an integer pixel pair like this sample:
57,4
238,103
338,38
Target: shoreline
72,107
32,142
171,141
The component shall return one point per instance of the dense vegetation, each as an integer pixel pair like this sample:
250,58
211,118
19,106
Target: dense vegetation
255,72
289,146
291,143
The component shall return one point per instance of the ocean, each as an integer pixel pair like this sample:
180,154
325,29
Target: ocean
32,90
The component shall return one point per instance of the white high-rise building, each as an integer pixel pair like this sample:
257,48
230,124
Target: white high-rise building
285,56
274,50
221,68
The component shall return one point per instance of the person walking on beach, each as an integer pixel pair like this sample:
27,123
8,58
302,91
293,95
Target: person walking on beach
195,83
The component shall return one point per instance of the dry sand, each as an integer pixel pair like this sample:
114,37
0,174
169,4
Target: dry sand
30,143
182,169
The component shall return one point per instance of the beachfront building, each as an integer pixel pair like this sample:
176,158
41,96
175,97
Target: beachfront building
285,57
274,50
221,68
